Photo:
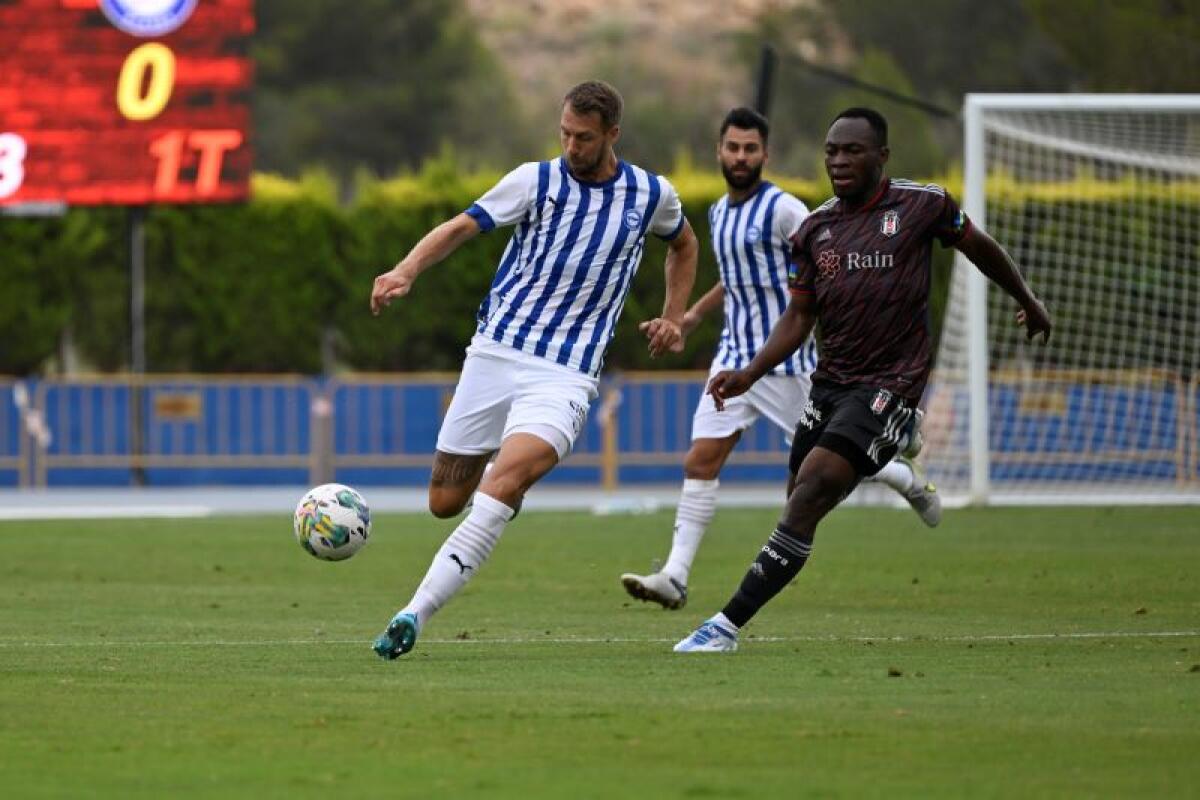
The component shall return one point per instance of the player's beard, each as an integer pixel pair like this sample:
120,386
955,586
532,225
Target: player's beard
744,181
588,171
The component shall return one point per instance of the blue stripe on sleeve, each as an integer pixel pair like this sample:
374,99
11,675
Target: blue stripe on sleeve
481,217
675,233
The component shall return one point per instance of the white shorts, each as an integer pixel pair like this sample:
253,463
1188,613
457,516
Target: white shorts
503,391
779,398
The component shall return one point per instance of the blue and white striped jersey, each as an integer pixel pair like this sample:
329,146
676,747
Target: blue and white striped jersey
563,279
752,242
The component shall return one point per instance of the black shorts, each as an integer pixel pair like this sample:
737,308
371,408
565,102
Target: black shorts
864,425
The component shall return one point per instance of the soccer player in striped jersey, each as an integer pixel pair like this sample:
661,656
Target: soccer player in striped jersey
752,226
531,369
861,266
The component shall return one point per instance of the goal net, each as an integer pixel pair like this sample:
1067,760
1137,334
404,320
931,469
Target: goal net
1097,198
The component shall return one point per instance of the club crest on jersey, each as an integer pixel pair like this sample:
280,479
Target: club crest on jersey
148,17
880,403
753,234
828,262
633,219
891,223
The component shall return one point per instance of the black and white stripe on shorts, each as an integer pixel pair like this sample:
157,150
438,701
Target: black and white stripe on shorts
893,432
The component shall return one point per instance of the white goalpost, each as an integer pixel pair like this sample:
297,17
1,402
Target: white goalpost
1097,198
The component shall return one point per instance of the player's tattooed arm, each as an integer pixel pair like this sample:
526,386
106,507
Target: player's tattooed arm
451,471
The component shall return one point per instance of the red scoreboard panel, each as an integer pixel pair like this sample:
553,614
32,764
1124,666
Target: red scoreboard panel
124,102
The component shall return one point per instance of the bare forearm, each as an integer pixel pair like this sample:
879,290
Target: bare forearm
440,243
791,330
713,299
992,260
680,272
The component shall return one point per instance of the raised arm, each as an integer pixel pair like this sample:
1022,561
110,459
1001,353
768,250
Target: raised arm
791,330
991,259
666,332
433,247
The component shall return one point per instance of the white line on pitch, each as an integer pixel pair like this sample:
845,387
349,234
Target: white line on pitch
618,640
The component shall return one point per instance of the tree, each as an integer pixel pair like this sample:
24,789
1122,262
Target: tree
1126,45
377,84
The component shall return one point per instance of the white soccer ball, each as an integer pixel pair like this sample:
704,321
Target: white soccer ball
332,522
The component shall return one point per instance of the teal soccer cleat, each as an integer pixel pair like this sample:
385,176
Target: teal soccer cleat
399,638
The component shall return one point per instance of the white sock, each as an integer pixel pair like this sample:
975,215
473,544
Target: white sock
461,556
724,622
697,505
897,475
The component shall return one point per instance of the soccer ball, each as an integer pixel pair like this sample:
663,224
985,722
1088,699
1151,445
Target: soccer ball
332,522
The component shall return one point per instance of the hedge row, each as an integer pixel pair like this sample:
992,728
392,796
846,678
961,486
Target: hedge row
281,284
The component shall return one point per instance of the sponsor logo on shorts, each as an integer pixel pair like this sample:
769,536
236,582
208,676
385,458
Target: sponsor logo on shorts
810,416
579,414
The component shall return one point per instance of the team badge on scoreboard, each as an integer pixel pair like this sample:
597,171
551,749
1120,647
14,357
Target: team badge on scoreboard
891,223
148,17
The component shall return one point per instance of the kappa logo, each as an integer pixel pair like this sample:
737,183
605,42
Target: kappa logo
891,223
753,234
774,555
148,17
633,219
828,262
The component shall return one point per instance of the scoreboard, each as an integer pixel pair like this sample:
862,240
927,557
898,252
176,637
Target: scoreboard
124,102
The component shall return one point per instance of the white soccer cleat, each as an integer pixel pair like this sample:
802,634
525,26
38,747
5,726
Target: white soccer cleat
656,587
710,637
923,496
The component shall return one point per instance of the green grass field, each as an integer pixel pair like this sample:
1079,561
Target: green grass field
1009,653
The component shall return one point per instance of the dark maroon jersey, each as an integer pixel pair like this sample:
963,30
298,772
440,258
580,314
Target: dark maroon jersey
869,270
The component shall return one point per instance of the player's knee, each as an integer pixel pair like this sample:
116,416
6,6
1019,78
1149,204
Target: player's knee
508,487
814,494
444,505
700,466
